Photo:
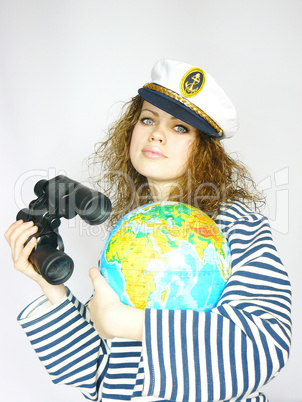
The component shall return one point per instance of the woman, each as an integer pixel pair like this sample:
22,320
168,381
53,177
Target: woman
166,146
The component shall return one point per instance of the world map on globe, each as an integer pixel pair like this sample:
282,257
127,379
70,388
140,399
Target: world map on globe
167,255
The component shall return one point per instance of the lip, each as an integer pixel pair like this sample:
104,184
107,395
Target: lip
153,153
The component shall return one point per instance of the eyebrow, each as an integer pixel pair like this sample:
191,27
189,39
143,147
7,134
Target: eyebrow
151,111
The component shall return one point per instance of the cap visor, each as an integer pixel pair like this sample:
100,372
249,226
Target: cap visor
178,110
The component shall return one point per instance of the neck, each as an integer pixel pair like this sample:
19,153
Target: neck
160,191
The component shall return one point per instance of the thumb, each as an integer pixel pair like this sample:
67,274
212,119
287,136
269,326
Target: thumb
94,274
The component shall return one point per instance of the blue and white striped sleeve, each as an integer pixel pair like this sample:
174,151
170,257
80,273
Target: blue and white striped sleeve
66,343
229,352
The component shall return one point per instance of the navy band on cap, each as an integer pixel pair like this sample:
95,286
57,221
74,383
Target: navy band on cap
179,110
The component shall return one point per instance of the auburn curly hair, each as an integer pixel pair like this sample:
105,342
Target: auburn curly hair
212,178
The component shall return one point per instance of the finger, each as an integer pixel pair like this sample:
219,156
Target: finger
22,262
94,274
26,251
17,231
12,227
19,255
24,236
98,281
18,242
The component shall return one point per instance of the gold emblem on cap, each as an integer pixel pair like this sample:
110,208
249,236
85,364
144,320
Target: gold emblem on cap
192,82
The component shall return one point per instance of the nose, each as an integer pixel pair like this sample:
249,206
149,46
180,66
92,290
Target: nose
158,135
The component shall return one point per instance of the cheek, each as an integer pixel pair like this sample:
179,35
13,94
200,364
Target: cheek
131,152
187,150
133,145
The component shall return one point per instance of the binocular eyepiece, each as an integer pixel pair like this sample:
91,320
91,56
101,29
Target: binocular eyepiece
60,197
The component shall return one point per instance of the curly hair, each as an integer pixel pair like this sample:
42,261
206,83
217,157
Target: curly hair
212,178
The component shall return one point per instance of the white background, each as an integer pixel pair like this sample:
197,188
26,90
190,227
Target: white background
64,65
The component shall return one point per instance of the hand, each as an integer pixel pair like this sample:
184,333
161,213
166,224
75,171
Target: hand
111,318
16,236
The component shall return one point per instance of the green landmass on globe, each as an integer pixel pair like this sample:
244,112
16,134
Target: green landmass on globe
167,256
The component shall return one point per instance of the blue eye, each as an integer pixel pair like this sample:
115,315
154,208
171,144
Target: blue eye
147,121
181,129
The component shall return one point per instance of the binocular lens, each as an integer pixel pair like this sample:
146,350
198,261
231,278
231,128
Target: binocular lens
58,269
95,208
54,265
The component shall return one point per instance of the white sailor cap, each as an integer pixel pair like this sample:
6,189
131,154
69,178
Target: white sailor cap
193,96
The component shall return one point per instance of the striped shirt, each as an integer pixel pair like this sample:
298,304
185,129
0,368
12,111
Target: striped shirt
226,354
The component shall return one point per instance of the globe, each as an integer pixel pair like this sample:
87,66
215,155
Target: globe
167,255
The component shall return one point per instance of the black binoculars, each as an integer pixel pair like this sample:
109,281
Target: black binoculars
60,197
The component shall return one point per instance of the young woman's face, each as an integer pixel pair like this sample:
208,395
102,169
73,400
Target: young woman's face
160,147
